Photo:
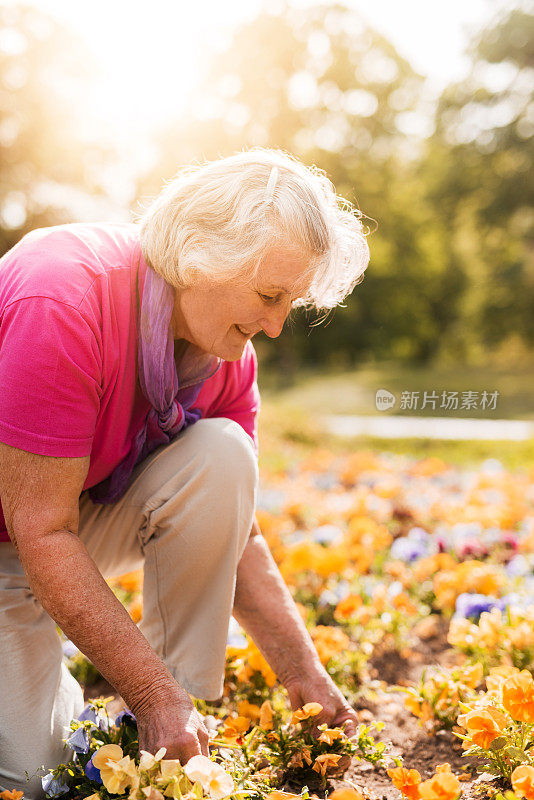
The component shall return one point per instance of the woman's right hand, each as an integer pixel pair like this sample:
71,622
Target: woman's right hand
169,719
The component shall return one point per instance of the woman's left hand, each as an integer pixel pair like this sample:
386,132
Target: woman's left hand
320,688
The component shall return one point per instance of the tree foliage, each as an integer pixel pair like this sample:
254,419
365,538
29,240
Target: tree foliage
479,172
48,168
452,252
319,83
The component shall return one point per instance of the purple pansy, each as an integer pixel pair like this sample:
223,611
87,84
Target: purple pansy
327,534
471,605
79,740
90,714
92,772
416,545
69,648
54,787
125,716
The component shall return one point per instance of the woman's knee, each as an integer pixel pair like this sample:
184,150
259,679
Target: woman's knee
230,442
216,490
227,447
210,479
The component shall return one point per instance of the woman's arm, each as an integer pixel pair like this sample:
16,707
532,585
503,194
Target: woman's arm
264,607
40,496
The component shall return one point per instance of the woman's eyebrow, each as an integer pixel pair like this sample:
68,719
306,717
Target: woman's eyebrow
283,289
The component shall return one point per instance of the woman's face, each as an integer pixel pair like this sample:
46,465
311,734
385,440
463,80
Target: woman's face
220,317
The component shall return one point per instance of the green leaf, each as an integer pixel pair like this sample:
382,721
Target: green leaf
498,743
516,753
488,769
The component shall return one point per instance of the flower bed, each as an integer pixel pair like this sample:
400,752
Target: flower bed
416,581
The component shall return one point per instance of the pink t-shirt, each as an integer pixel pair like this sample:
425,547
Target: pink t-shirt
68,349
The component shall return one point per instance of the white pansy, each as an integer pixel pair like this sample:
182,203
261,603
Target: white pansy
147,760
213,778
151,793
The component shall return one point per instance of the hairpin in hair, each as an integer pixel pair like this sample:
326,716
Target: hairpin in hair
271,185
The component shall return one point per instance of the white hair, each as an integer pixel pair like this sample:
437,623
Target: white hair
220,218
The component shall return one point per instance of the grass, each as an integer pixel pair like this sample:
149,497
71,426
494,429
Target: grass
290,426
353,392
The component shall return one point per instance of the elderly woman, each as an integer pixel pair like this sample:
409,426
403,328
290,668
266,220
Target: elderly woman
128,438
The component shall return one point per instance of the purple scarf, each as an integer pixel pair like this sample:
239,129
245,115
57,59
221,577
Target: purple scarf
170,394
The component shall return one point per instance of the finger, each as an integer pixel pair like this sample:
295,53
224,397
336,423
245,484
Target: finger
349,726
348,721
324,718
204,740
321,719
189,749
295,697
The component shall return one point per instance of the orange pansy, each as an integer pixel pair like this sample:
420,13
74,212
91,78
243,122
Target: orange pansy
346,607
256,661
136,609
322,763
442,786
250,710
523,781
234,727
518,696
329,735
329,641
419,708
131,581
298,759
483,725
497,676
472,675
308,710
346,794
406,781
266,716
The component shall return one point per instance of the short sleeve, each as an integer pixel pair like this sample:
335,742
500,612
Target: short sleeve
233,393
50,378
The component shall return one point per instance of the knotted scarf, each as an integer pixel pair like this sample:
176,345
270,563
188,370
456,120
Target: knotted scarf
170,391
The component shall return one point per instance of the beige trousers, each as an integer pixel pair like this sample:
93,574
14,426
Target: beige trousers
185,517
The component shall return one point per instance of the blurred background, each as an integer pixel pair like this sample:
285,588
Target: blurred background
421,114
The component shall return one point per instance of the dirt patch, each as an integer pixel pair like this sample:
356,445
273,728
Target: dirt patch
419,750
406,667
434,650
390,666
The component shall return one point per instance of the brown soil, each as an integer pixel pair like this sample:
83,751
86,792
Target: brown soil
419,749
392,667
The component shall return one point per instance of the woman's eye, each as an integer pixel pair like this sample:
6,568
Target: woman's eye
267,298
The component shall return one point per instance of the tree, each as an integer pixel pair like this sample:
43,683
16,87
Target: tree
479,173
319,83
49,171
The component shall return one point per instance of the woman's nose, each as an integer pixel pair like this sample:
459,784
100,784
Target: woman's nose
273,322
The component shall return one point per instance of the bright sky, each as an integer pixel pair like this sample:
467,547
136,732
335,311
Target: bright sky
151,51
